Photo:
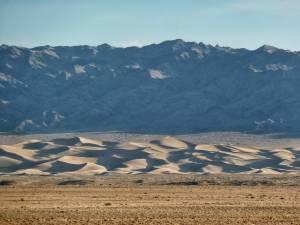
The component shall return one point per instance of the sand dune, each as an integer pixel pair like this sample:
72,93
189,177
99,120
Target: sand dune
173,143
89,169
17,152
7,162
80,155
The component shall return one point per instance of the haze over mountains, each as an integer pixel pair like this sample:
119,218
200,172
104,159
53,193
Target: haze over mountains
171,87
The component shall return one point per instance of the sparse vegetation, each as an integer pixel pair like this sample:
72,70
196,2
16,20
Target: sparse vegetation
140,181
6,182
74,182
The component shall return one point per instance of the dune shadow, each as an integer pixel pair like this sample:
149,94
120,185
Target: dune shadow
35,145
60,167
66,141
52,151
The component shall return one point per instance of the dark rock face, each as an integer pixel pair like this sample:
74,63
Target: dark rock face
172,87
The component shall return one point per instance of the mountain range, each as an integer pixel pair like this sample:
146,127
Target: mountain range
170,87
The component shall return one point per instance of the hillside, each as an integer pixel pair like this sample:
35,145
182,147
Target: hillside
171,87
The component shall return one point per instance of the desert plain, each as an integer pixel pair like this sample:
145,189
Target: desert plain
132,179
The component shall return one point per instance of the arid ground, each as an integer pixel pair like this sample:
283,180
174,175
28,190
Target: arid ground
150,199
216,178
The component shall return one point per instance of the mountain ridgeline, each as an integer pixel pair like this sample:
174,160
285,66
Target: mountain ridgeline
171,87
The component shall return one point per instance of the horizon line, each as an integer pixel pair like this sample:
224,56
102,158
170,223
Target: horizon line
149,44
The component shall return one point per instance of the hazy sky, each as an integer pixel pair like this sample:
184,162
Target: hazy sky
235,23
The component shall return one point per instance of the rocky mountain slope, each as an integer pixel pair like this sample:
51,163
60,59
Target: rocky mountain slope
171,87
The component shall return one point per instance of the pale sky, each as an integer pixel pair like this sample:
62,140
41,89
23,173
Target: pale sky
234,23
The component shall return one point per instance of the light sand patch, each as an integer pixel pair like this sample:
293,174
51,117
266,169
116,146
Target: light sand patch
77,159
19,152
7,162
284,154
135,164
173,143
205,147
31,172
88,169
267,171
212,169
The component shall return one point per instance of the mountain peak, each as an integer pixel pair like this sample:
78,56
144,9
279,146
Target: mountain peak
104,46
268,48
177,44
172,42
